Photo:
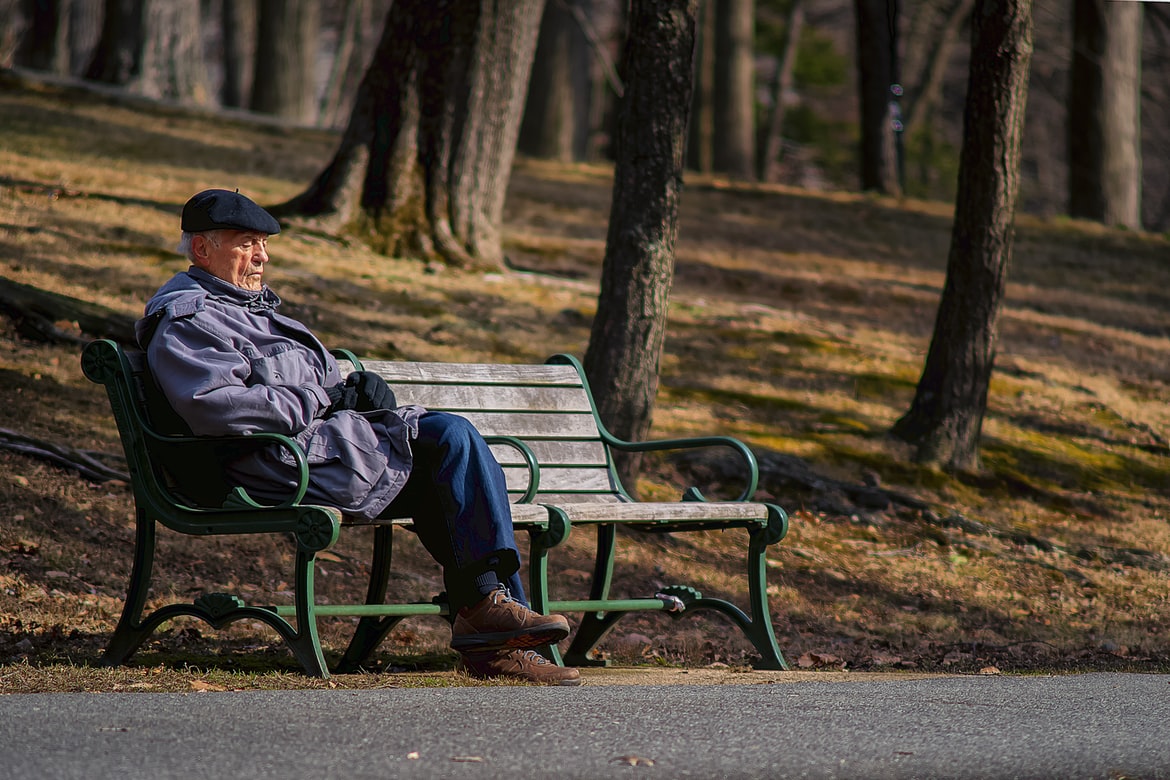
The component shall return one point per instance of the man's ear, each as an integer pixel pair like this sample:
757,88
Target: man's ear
199,249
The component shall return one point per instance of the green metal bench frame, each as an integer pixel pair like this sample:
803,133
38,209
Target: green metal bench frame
557,455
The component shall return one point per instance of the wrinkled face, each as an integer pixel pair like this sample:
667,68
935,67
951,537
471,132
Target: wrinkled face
236,256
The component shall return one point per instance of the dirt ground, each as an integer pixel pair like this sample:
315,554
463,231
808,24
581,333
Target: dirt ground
799,323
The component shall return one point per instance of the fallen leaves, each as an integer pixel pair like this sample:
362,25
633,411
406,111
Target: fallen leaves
632,761
820,661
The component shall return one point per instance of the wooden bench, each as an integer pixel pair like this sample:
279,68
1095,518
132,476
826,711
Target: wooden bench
543,428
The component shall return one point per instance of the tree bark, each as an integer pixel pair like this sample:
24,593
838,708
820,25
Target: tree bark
735,88
58,319
1104,120
946,417
877,69
284,83
625,344
423,166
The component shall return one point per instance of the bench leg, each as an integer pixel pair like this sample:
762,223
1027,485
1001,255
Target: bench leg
539,543
371,631
757,628
215,609
595,625
130,633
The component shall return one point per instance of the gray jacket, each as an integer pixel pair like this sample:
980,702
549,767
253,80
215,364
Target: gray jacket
230,364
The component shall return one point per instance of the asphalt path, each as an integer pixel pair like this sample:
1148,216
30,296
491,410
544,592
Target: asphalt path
1108,726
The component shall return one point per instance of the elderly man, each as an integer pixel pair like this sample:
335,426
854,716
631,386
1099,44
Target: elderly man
230,363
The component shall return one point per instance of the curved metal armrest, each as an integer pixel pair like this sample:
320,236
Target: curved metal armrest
529,460
692,493
340,354
238,498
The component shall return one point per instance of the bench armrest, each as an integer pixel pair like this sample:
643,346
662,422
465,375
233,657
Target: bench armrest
529,460
238,498
691,493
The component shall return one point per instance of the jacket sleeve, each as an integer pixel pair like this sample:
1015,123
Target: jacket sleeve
208,382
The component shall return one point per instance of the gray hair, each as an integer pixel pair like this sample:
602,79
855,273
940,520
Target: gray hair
185,240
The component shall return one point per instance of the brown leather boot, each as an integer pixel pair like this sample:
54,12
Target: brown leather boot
498,622
527,665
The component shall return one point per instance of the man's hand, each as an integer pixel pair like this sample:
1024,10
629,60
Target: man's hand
363,391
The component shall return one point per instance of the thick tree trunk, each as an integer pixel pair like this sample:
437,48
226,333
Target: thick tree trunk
946,416
1104,118
285,82
735,88
877,70
625,345
424,164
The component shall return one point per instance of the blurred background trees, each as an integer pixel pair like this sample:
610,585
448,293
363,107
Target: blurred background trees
822,94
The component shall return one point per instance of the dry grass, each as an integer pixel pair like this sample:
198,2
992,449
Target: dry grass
799,323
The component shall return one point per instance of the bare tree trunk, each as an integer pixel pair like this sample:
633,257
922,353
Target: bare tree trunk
285,82
349,63
877,68
1104,122
424,164
929,81
152,48
946,417
45,44
735,88
701,136
556,112
625,344
781,88
238,23
118,56
172,57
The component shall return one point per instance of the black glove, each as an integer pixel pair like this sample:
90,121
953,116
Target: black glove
340,397
371,390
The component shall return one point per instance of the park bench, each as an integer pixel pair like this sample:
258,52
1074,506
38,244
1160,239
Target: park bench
542,425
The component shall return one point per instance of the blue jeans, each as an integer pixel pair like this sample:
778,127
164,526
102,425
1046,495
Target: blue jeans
458,498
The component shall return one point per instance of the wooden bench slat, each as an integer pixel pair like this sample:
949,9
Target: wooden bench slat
555,480
464,374
529,425
645,512
554,453
494,397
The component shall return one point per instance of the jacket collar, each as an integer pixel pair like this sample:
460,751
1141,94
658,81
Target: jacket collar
262,300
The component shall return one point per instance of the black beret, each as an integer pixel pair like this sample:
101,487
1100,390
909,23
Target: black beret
219,209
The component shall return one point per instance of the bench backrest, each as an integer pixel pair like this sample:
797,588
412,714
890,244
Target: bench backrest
160,475
546,406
